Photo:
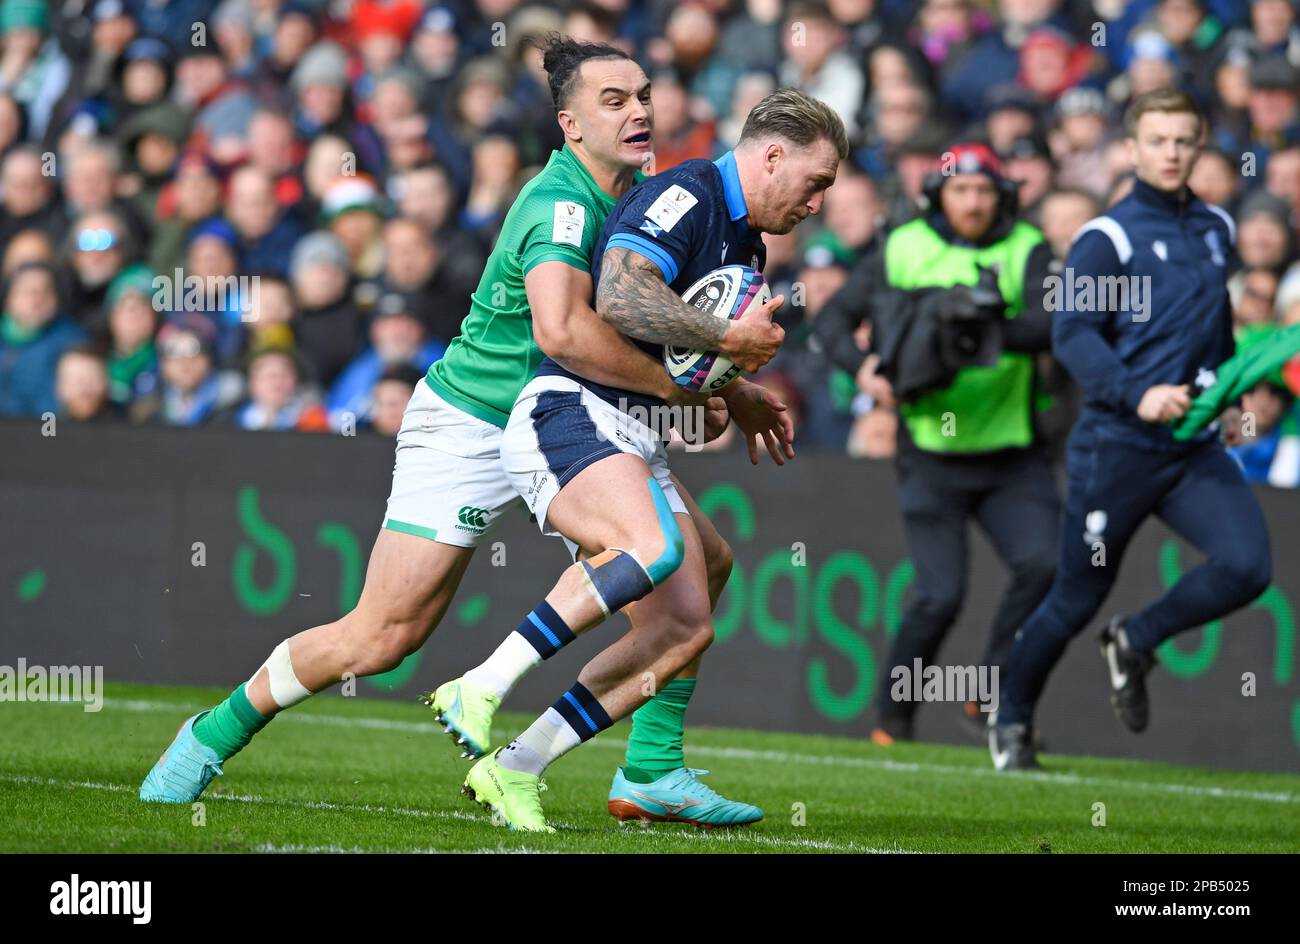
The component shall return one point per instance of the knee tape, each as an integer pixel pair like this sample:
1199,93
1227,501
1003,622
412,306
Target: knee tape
662,567
616,577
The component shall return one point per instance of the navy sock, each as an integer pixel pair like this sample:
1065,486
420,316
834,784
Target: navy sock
545,630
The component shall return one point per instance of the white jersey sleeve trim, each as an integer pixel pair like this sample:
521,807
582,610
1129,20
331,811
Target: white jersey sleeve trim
1112,230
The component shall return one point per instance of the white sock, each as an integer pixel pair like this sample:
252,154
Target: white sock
513,660
547,740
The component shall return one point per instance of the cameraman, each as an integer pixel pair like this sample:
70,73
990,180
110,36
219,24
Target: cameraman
955,301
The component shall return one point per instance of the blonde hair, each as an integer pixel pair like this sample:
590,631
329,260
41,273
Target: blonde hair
799,118
1167,100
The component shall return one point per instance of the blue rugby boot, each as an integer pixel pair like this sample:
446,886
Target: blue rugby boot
184,770
677,797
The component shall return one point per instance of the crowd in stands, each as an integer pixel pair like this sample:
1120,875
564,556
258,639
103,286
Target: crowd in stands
342,168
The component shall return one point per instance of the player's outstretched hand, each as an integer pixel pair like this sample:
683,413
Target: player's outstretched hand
1164,403
752,339
761,416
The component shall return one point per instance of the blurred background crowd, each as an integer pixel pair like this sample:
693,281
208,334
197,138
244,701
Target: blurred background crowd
354,160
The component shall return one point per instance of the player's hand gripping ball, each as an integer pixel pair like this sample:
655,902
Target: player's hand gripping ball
725,292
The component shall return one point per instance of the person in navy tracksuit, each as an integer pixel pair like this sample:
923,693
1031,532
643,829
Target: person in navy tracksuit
1140,360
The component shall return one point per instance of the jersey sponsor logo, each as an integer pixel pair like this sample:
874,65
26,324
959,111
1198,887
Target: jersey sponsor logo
471,518
672,205
570,218
723,260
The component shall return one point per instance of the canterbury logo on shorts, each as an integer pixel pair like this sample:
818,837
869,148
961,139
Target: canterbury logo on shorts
472,518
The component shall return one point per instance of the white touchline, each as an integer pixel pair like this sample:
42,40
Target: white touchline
742,753
751,838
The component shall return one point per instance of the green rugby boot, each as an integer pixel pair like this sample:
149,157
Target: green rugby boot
512,795
465,712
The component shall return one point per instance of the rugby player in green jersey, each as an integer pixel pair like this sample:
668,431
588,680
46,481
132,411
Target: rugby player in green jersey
448,485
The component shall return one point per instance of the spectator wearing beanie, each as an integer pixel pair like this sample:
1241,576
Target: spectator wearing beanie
221,103
34,69
232,27
322,104
209,285
329,325
381,29
1079,139
151,142
1052,61
353,210
397,337
191,196
1274,116
294,32
132,321
145,75
192,389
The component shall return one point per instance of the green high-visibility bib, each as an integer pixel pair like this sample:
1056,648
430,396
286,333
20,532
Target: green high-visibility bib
984,408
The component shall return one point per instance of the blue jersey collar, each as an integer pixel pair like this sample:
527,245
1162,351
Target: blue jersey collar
726,165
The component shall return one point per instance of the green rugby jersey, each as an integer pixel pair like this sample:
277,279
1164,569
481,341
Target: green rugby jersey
557,216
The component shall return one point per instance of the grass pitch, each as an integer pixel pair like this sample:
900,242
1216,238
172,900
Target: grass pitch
355,775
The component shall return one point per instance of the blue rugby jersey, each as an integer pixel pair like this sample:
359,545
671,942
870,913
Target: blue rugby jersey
688,221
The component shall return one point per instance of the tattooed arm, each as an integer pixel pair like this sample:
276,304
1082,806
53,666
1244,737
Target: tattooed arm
568,331
633,297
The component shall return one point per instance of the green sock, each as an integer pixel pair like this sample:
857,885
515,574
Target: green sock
655,745
230,725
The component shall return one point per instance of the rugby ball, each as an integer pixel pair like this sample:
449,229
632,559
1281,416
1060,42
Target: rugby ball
725,292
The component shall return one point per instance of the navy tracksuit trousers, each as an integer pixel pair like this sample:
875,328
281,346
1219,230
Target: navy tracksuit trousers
1113,486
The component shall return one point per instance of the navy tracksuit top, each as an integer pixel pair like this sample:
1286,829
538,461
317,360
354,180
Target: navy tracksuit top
1172,255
